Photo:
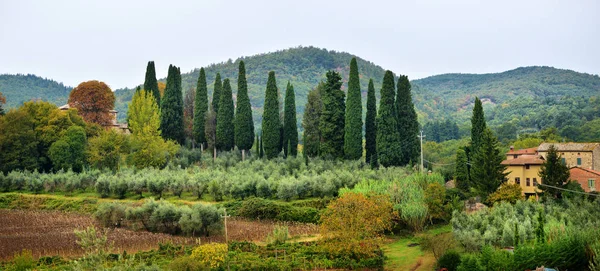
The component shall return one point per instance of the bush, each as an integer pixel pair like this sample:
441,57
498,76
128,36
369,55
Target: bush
449,260
279,235
201,219
211,255
257,208
103,186
110,214
187,263
469,263
438,244
118,186
23,261
506,192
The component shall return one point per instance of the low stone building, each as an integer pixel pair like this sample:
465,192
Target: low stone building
583,155
114,124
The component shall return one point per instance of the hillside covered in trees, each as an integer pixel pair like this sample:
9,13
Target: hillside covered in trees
20,88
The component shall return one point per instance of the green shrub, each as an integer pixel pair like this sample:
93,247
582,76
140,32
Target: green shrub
103,186
278,236
23,261
449,260
469,263
187,263
110,214
201,219
118,186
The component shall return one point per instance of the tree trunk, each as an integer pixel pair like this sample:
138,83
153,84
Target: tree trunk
243,155
214,154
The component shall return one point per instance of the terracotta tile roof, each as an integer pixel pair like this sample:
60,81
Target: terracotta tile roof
522,151
525,159
571,146
578,172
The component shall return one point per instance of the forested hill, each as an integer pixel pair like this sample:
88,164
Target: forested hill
452,95
20,88
304,67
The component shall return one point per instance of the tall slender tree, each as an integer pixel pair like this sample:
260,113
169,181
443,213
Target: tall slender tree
210,130
218,88
477,125
488,172
332,119
554,173
271,124
225,128
310,122
244,125
171,108
370,126
353,124
408,124
461,172
200,109
388,139
290,124
151,84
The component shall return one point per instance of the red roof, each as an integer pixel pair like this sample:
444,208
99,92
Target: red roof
522,151
524,160
578,172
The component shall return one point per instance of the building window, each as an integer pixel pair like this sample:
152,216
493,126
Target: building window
527,182
518,180
526,166
579,161
592,184
564,161
515,156
535,183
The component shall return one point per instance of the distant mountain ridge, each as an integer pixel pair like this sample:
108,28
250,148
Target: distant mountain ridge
439,97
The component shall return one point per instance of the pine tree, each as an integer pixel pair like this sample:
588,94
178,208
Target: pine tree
332,119
218,88
370,126
225,128
290,124
200,108
477,125
388,138
554,173
353,124
244,125
151,84
461,172
488,172
310,121
171,108
408,123
271,124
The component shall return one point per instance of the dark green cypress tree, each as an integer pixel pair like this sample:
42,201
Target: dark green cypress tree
244,125
353,124
408,124
310,121
271,124
261,150
333,118
290,124
388,138
225,128
218,88
256,145
370,126
171,108
555,173
477,125
461,171
487,172
151,84
200,108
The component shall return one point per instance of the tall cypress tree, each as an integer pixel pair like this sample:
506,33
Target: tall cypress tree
388,138
151,84
244,125
218,88
310,121
461,172
290,124
408,124
487,172
333,118
271,124
200,108
477,125
171,108
370,127
353,123
555,173
225,128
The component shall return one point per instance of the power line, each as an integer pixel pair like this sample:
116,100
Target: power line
569,190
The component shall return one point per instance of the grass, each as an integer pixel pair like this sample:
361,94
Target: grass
401,256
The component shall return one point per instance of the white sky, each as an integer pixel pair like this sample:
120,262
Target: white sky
111,41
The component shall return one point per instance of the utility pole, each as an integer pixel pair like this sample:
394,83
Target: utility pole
225,217
421,137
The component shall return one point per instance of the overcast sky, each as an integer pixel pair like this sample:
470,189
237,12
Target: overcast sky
111,41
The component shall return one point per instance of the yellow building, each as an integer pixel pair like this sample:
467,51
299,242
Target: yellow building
583,155
524,170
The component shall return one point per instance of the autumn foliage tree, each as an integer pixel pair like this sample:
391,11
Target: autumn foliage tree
354,222
2,102
93,101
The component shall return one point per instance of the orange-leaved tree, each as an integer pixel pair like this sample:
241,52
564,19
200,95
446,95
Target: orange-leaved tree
354,222
93,101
